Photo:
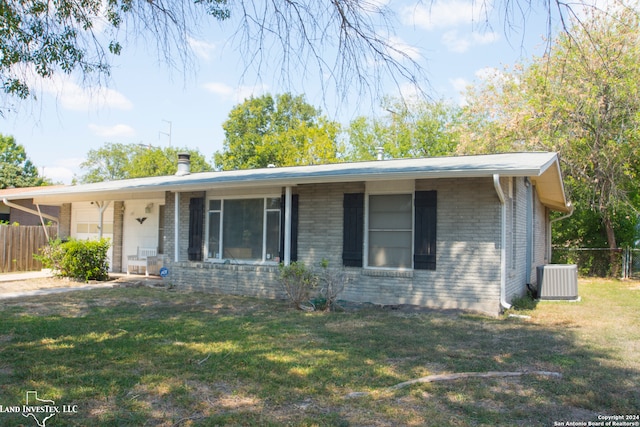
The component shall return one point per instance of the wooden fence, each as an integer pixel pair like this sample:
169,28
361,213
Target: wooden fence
18,244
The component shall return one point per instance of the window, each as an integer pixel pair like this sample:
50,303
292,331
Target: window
390,231
244,229
400,230
93,228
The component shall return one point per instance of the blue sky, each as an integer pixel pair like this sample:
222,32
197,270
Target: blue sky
144,99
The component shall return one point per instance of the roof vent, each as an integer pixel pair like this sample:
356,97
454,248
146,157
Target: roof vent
271,165
184,164
380,151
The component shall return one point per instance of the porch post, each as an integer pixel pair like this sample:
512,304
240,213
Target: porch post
102,206
287,225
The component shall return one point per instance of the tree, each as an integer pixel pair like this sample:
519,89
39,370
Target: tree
108,163
155,161
283,131
40,38
416,129
16,170
583,100
341,38
123,161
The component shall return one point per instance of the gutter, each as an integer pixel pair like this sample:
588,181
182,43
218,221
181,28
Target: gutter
34,212
503,242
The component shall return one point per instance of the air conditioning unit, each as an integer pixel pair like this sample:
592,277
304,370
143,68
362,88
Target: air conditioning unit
558,282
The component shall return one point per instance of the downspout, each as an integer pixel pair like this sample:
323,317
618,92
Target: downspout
529,253
31,211
176,227
287,226
550,226
503,242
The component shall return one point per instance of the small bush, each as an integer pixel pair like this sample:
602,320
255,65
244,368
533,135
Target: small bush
297,282
78,259
332,283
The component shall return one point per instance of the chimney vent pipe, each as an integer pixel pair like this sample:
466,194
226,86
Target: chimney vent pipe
184,164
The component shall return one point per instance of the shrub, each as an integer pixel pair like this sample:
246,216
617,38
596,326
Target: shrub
332,282
297,282
79,259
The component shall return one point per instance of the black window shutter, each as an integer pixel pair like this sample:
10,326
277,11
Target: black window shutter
196,222
426,203
294,227
353,228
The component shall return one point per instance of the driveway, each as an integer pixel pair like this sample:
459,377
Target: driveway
23,275
33,283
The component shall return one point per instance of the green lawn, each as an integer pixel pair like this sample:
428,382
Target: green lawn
156,357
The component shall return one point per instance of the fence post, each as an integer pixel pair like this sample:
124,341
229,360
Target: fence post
626,263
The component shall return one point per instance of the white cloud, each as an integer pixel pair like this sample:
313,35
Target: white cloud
62,170
201,48
236,94
459,84
219,89
445,14
58,174
487,73
399,46
491,74
116,131
456,42
74,97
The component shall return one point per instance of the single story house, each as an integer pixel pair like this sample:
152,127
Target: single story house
463,232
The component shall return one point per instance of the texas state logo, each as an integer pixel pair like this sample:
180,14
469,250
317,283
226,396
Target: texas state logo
40,410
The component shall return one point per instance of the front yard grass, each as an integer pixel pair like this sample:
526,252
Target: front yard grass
155,357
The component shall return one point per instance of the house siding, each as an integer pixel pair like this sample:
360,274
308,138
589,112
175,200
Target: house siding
467,274
26,218
118,220
526,198
231,279
516,232
65,221
541,237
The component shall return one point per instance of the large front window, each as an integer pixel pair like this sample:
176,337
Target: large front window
390,231
244,229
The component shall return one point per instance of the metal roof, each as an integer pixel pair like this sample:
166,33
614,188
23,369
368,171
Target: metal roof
541,167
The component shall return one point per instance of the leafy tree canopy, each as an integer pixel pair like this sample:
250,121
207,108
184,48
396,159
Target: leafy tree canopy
353,42
116,161
283,130
582,100
16,170
415,129
41,38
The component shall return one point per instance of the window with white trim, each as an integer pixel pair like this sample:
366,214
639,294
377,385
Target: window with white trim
244,229
394,231
390,231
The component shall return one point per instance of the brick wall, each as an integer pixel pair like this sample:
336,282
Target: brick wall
26,218
525,198
118,222
65,220
468,251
